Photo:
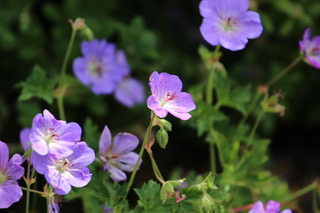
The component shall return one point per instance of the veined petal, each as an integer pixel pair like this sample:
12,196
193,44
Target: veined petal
116,174
272,206
210,31
14,170
56,180
233,41
252,25
78,178
4,156
70,132
82,155
24,138
124,142
59,150
10,192
105,141
182,103
128,161
42,163
257,208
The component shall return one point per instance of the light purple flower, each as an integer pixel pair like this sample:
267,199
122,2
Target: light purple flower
10,172
62,173
129,92
229,23
167,96
311,48
24,139
101,66
53,136
106,209
53,207
116,155
271,207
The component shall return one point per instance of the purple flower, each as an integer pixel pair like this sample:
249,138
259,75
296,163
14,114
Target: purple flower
271,207
53,136
24,138
10,172
116,155
129,92
311,48
53,207
229,23
101,66
167,96
106,209
62,173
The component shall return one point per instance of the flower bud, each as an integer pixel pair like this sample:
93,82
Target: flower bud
166,124
162,138
87,33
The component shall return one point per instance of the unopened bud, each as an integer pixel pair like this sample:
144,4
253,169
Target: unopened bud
78,24
87,33
162,138
166,125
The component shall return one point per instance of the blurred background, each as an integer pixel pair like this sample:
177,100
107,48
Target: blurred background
164,36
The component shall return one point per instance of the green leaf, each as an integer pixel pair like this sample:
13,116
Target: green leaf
91,134
38,85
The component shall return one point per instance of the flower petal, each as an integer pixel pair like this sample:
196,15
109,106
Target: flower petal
257,208
129,92
4,156
60,184
82,155
124,142
105,141
24,138
78,178
252,26
10,192
153,104
14,170
116,174
128,161
272,206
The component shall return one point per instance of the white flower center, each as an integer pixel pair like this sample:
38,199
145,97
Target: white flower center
95,68
229,24
168,98
50,136
62,165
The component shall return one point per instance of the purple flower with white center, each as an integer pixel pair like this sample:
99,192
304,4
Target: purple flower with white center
53,207
100,68
129,92
167,96
311,48
116,155
62,173
53,136
271,207
10,172
229,23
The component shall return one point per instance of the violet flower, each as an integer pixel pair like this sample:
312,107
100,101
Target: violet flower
167,96
229,23
271,207
100,67
10,172
311,48
53,207
129,92
62,173
24,138
53,136
116,155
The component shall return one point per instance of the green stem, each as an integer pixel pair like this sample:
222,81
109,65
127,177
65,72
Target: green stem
28,183
155,168
285,71
256,124
32,190
212,159
144,143
302,191
62,75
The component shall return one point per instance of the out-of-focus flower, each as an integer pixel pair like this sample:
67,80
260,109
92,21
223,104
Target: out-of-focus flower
62,173
53,207
100,67
116,155
106,209
311,48
10,172
167,96
24,138
53,136
129,92
229,23
271,207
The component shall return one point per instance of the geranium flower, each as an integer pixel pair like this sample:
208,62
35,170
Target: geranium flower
129,92
167,96
116,155
271,207
62,173
229,23
311,48
10,172
53,136
100,68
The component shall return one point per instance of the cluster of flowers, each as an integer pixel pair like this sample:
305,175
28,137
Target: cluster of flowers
271,207
105,70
